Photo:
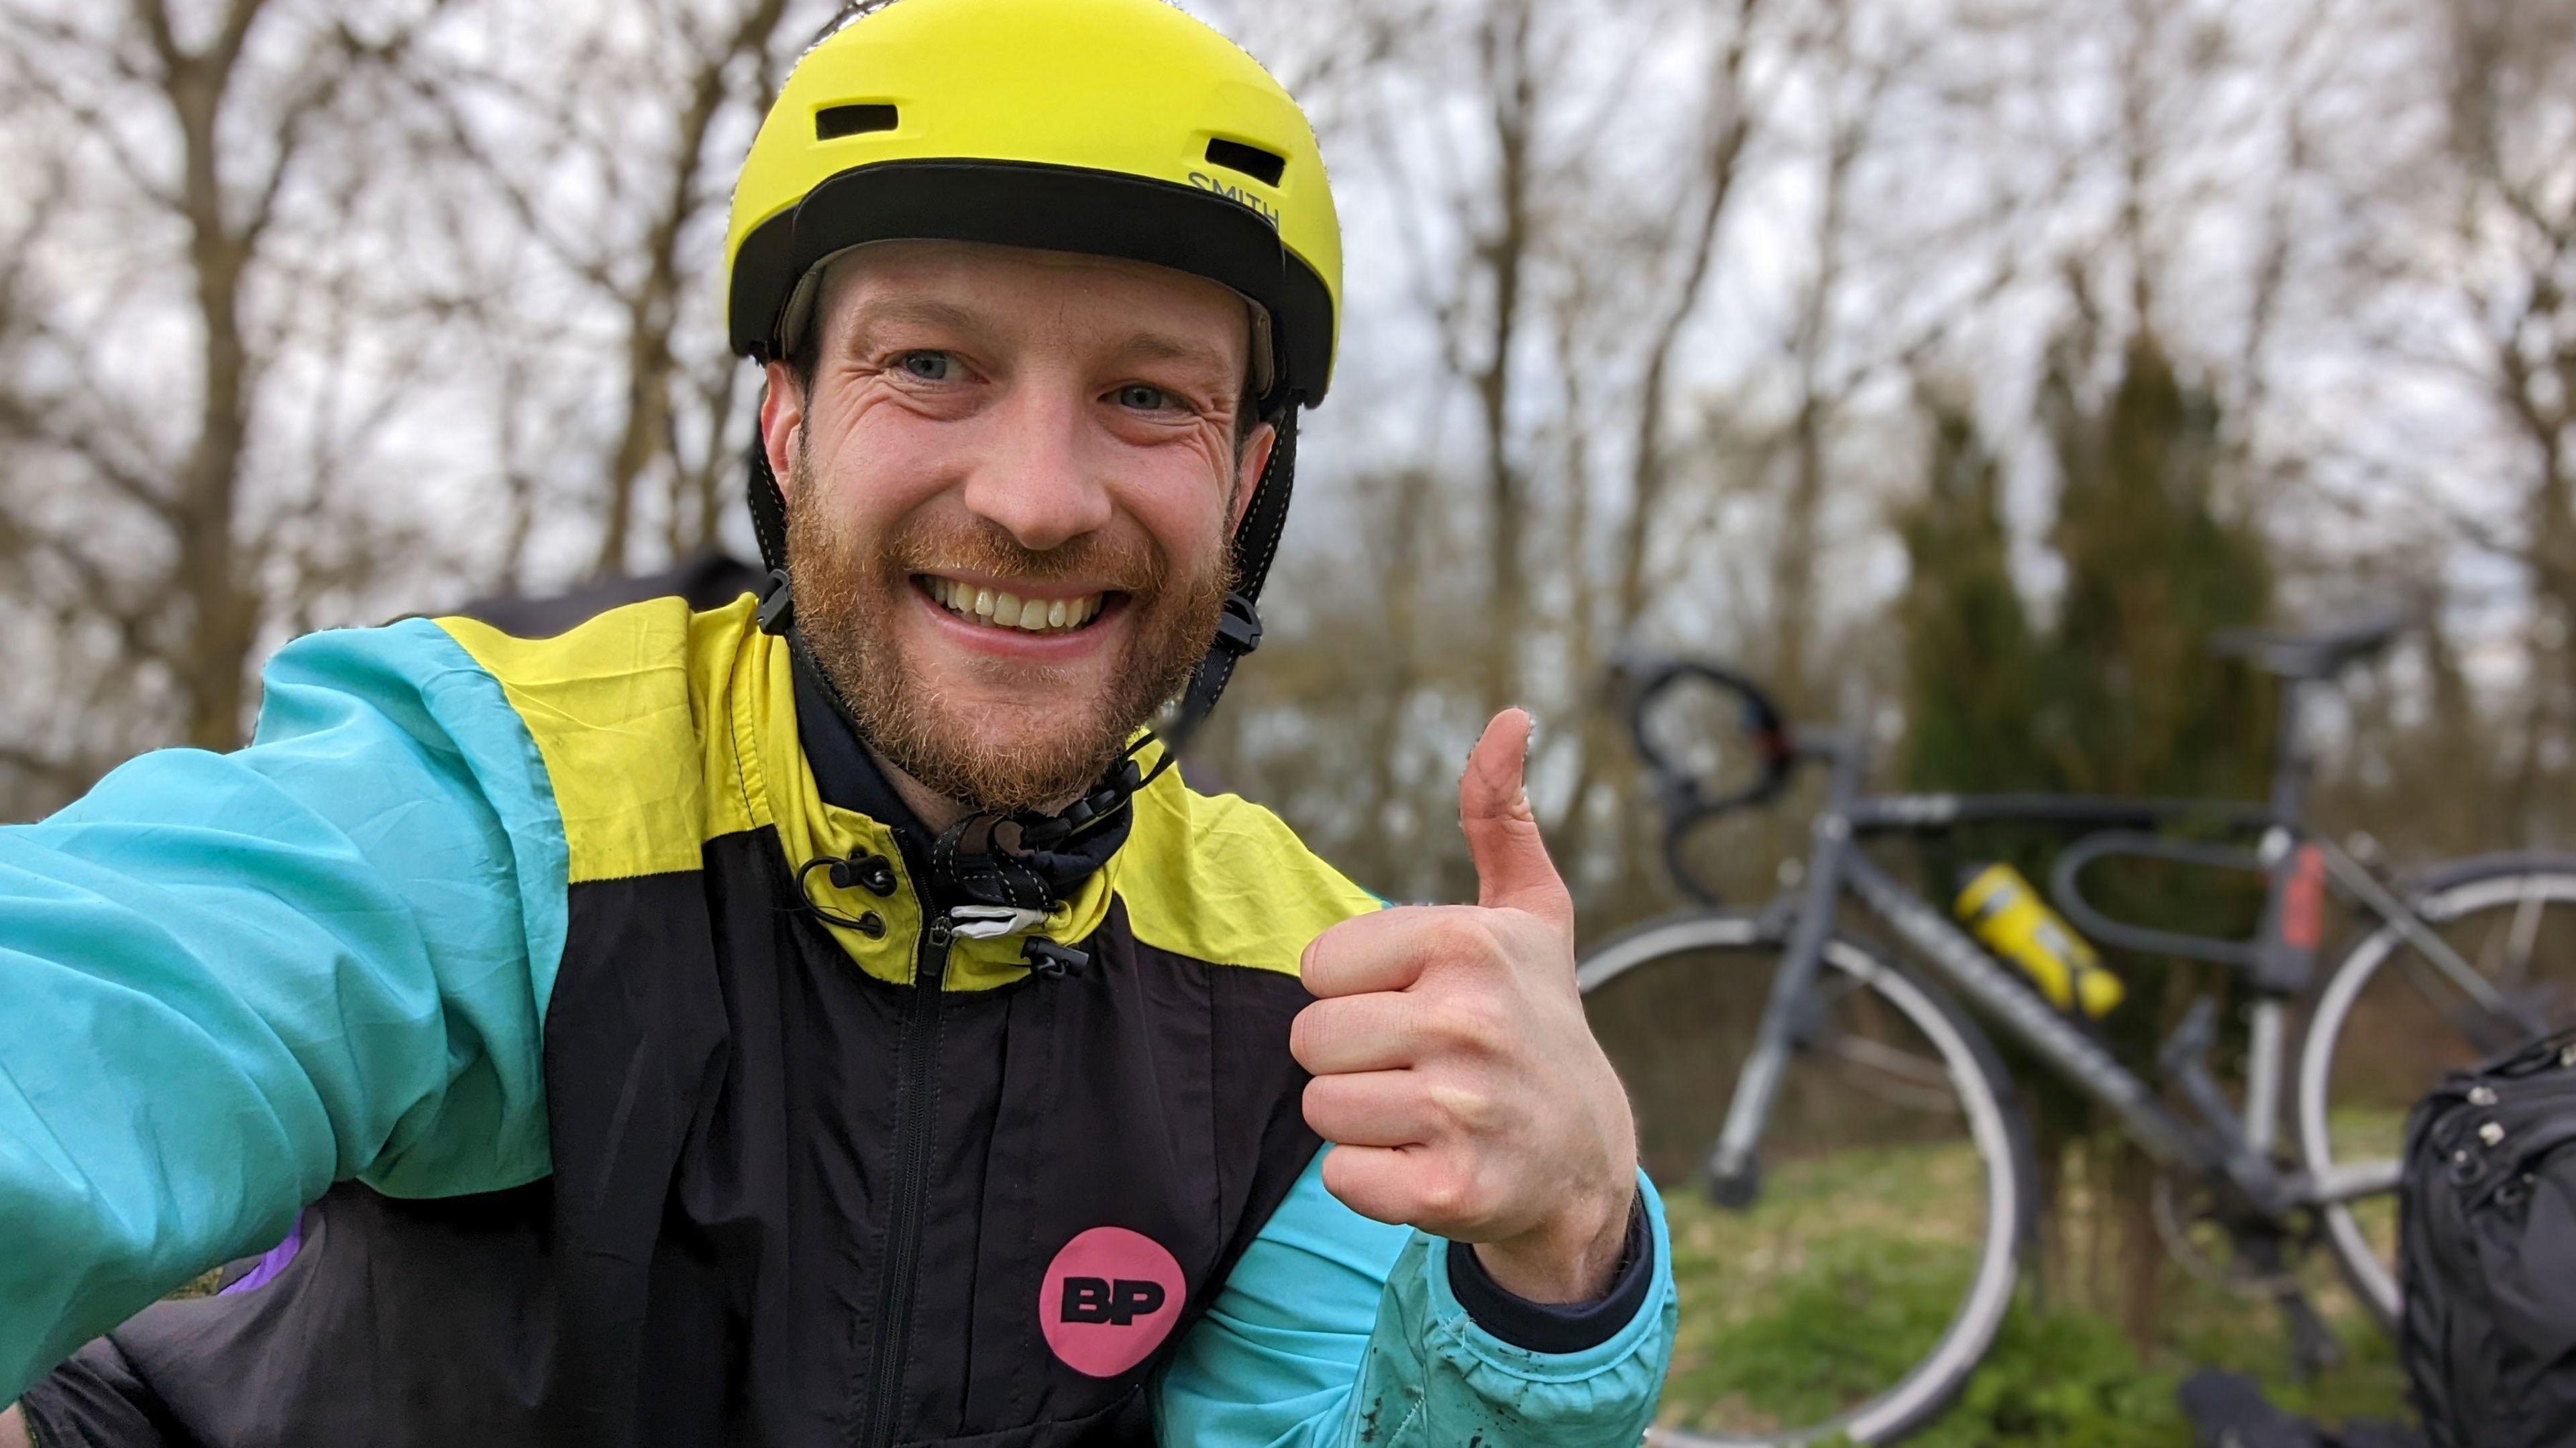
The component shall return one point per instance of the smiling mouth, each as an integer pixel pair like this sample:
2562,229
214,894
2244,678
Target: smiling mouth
997,608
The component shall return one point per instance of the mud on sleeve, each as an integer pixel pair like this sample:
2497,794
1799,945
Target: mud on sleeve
231,980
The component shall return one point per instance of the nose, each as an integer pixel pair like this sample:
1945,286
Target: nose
1038,481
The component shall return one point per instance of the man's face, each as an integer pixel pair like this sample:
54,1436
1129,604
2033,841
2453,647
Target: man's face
1010,493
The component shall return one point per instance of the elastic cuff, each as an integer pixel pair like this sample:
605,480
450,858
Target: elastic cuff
1553,1327
95,1396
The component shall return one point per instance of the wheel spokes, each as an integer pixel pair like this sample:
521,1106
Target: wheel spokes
1909,1080
2526,933
2487,1031
1883,1234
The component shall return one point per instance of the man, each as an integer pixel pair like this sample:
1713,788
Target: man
828,1020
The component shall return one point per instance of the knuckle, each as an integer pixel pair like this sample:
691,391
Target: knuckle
1465,1106
1458,935
1444,1193
1457,1194
1449,1022
1466,1020
1480,1196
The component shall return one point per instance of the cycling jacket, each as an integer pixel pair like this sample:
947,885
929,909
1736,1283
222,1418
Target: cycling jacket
511,983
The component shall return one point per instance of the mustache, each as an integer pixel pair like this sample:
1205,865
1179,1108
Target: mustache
1131,566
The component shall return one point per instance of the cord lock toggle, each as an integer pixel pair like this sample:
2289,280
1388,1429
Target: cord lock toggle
1055,962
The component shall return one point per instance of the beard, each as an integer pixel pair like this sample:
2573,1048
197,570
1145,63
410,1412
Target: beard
1035,754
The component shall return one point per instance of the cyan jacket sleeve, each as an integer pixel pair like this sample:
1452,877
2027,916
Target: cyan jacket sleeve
1335,1330
227,981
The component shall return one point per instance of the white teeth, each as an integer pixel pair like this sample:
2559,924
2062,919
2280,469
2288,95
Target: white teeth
1009,610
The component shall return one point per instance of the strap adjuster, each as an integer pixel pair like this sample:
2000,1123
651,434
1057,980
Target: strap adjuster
777,604
1238,628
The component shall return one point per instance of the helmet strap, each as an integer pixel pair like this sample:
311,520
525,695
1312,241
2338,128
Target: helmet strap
769,525
1256,543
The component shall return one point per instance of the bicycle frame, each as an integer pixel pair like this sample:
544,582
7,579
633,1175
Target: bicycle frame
1837,866
2236,1145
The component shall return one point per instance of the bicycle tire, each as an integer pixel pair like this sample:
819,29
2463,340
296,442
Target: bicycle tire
1994,1125
2450,897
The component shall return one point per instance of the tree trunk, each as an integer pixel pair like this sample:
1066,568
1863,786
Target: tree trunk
221,616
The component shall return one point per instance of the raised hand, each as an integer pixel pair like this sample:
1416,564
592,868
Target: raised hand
1454,1072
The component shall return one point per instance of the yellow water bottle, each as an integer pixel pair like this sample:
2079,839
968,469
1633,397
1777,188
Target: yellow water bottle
2002,909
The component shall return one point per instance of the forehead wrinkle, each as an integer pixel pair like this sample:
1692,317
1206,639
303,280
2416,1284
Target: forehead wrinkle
1164,347
1074,308
879,310
869,303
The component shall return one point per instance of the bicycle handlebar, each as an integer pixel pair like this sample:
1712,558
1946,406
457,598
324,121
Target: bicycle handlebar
1685,803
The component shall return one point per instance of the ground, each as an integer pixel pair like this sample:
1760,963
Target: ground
1769,1319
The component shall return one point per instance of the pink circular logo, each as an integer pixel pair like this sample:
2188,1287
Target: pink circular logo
1109,1299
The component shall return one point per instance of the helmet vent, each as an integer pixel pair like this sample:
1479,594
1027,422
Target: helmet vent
833,122
1263,166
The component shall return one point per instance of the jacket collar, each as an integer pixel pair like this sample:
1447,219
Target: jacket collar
847,776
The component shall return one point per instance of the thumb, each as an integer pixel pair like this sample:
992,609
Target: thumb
1512,868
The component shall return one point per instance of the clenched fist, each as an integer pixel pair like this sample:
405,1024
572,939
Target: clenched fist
1454,1072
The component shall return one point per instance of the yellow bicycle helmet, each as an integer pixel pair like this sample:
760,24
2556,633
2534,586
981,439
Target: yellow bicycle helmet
1120,128
1113,127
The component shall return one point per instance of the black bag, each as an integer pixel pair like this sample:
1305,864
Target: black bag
2487,1252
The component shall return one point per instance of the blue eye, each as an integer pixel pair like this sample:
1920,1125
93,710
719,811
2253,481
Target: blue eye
928,366
1143,398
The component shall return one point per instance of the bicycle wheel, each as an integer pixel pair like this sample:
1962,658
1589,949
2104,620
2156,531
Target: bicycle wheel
1859,1288
2390,1022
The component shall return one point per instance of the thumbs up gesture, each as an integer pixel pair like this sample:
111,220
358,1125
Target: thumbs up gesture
1454,1072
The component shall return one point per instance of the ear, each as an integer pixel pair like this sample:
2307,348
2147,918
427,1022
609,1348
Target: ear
782,420
1249,464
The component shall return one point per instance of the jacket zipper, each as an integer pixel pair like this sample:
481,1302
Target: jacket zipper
912,1181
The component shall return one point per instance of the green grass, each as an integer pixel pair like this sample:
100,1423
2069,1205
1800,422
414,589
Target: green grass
1847,1269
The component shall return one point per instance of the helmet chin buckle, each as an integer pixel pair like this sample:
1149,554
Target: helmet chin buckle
778,604
1238,628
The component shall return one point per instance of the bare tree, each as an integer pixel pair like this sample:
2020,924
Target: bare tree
647,144
2512,134
151,317
1565,231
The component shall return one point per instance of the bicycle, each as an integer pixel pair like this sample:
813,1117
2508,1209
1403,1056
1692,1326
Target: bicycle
1863,1063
